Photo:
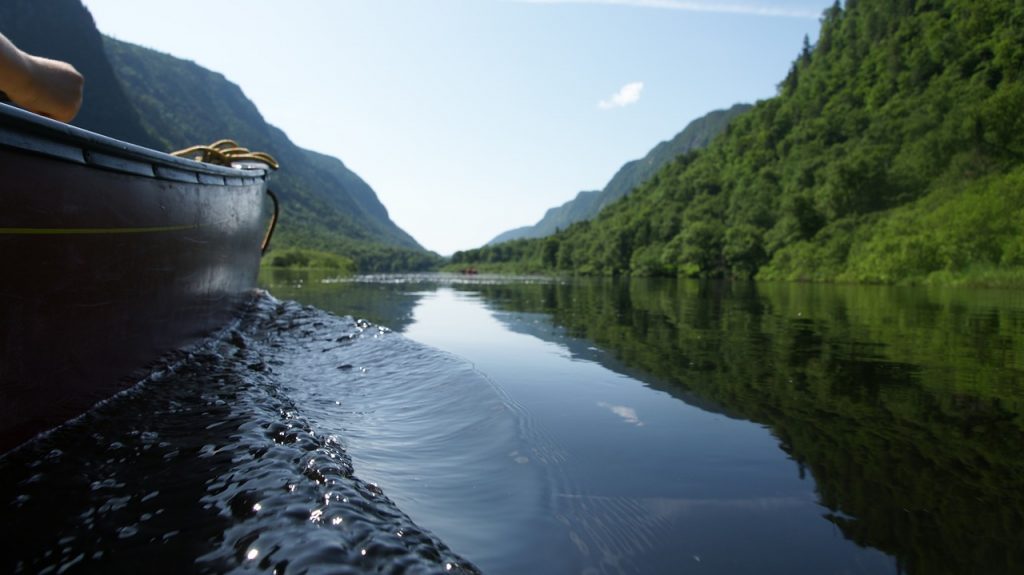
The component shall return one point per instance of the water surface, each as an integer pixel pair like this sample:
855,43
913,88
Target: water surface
662,426
436,424
210,466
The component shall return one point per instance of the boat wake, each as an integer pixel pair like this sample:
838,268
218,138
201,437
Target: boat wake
210,465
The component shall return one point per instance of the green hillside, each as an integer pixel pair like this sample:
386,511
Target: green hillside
894,152
586,205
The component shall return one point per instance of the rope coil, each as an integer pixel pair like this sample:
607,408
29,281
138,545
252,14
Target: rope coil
224,153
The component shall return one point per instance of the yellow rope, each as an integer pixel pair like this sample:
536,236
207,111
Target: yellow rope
223,153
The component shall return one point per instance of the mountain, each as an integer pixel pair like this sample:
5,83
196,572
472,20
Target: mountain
893,152
583,207
586,205
159,101
181,104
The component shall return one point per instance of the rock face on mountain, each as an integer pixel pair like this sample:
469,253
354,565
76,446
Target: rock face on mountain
586,205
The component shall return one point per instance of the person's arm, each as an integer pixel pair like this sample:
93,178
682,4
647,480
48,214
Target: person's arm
47,87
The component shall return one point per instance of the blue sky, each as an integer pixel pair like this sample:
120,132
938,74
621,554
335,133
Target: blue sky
471,117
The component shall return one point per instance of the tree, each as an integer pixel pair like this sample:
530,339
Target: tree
702,245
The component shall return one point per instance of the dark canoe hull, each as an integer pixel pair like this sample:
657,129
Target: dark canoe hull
112,255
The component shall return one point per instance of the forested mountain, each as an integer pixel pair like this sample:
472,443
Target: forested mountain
159,101
893,152
326,206
586,205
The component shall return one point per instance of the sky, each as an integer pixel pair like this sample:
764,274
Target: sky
473,117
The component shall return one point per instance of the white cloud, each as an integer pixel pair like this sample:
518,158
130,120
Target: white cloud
628,94
628,414
693,6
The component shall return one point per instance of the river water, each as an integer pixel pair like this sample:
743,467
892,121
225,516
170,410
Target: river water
446,423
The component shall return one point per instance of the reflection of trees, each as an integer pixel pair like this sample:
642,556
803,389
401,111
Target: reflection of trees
905,404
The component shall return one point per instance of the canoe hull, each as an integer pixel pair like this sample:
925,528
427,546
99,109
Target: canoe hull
105,270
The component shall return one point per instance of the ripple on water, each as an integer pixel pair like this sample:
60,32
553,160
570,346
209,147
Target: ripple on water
209,466
438,437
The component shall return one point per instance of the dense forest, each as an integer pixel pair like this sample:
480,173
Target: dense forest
893,152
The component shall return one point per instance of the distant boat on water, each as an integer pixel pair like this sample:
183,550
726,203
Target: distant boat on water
111,255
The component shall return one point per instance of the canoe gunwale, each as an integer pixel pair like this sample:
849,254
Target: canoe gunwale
35,134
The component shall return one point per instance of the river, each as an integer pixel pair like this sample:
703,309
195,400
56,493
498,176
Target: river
435,423
678,426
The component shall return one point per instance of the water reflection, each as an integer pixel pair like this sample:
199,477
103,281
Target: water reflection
382,303
904,404
728,428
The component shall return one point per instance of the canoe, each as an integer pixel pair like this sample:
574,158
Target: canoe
112,255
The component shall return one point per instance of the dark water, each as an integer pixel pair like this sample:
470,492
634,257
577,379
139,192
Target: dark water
211,466
540,427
